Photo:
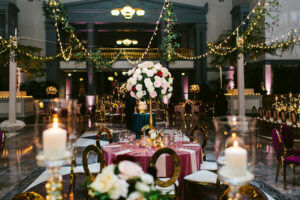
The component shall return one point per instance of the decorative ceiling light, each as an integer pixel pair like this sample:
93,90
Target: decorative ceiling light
127,42
127,11
110,78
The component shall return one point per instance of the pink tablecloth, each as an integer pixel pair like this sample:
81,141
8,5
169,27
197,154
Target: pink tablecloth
143,156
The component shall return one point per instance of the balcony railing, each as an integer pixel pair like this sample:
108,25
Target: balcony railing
136,53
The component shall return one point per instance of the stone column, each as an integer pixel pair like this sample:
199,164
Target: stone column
51,50
241,84
90,66
200,65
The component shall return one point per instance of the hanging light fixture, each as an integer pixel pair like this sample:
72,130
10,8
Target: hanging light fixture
127,42
127,11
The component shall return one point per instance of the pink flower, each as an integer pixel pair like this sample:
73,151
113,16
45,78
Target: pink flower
150,73
153,94
130,170
132,94
157,84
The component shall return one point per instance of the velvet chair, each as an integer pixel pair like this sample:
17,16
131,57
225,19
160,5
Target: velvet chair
282,159
2,142
288,140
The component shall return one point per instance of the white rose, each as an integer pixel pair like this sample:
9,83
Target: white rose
145,70
147,64
157,66
104,181
130,72
150,89
170,89
142,187
138,71
170,80
147,178
132,80
169,95
149,73
163,91
157,78
120,189
136,196
128,86
139,94
139,77
157,84
139,87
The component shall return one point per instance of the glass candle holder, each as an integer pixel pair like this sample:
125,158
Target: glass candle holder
235,146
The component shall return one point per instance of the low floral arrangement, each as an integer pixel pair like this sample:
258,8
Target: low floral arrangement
150,81
125,181
195,88
156,138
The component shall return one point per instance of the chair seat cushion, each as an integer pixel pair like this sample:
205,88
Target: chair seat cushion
210,166
94,168
170,189
289,123
202,176
292,159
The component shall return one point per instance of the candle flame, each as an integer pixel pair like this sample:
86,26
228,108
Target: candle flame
55,122
233,135
235,143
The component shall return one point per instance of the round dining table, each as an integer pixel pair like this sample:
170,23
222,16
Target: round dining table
190,156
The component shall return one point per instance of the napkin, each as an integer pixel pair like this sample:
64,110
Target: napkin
191,145
122,152
193,158
161,166
113,146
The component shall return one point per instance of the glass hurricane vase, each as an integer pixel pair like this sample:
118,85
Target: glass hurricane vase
235,146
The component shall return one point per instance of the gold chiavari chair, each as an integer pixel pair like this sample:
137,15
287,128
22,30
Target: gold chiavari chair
261,116
294,124
103,131
2,142
89,170
166,184
28,196
275,117
282,117
195,136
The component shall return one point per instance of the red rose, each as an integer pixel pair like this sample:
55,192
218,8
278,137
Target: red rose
133,88
159,73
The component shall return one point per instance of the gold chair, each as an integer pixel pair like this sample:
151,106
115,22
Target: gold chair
103,131
195,137
28,196
249,191
166,184
97,167
2,142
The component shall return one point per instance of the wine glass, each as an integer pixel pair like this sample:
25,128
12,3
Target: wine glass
235,146
132,137
171,138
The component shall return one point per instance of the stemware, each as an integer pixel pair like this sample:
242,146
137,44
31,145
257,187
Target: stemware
235,146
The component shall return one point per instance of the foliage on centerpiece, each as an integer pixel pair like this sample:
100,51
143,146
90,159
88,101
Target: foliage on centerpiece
125,181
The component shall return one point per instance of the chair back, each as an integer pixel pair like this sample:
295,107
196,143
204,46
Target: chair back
28,196
188,108
195,134
283,116
103,131
287,136
85,159
274,115
176,171
261,112
277,143
254,111
293,118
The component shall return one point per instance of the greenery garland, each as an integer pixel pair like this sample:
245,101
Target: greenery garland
169,43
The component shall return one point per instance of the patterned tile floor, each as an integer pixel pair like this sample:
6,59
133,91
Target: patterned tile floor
18,168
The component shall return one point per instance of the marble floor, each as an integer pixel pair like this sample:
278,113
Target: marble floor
18,168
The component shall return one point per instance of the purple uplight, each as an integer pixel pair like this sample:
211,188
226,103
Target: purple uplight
268,78
185,87
90,101
68,88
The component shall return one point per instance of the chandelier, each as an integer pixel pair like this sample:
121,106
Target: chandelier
127,42
128,12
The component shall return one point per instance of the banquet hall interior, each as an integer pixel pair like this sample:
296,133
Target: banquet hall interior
149,99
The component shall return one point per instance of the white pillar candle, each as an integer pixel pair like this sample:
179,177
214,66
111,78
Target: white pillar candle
236,160
54,142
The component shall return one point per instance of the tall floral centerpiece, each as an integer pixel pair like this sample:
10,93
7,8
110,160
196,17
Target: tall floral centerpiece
149,81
